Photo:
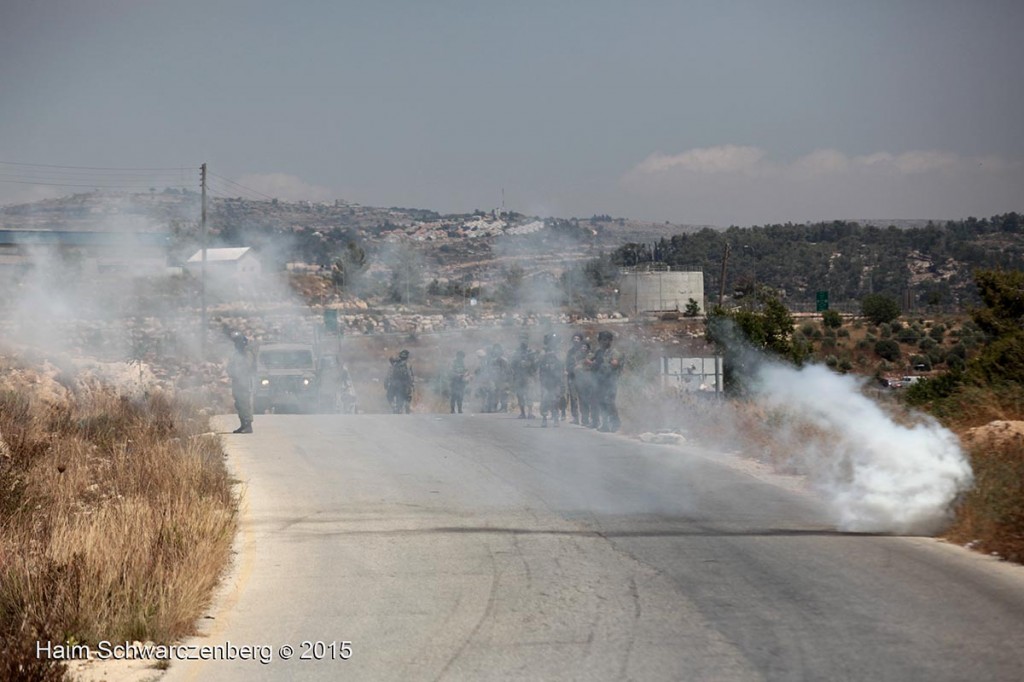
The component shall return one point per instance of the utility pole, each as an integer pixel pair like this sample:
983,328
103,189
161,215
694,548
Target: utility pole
202,267
721,288
719,364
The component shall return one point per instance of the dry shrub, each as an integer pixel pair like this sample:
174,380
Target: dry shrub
118,518
990,517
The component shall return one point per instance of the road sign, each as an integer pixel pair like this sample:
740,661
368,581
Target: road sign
331,320
822,301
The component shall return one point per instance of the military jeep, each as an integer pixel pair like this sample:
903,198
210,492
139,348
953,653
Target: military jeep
286,378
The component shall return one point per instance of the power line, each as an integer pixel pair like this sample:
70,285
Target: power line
93,168
94,185
240,186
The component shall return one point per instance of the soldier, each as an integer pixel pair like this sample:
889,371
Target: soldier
242,370
573,357
586,386
524,372
496,373
457,378
400,383
607,365
552,380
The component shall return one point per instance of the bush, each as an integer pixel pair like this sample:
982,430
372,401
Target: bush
831,361
885,330
807,329
908,335
843,333
888,349
938,332
879,308
921,363
832,319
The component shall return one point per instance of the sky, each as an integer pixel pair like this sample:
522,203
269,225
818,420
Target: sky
719,112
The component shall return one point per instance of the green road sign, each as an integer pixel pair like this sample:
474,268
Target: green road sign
822,301
331,320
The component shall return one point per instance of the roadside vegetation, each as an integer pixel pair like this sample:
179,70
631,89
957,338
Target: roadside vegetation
967,372
116,516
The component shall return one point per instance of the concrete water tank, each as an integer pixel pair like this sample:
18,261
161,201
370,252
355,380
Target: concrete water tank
649,291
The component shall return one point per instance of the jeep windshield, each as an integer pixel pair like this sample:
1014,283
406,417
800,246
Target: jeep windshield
287,359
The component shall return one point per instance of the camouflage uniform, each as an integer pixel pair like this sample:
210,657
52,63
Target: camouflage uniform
607,364
524,372
552,381
457,376
573,357
242,370
400,383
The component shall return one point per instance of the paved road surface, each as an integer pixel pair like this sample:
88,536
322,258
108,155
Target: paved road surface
486,548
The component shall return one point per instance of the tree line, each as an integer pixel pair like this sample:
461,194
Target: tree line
847,259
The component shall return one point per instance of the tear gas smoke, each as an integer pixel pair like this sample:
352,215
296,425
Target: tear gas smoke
875,474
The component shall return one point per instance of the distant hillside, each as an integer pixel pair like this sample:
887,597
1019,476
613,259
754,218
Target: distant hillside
925,267
924,264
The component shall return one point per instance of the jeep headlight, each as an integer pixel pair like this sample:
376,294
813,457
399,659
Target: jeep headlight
305,381
264,382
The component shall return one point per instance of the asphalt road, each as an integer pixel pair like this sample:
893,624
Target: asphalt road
487,548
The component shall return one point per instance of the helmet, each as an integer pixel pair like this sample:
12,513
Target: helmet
404,355
550,340
604,336
238,338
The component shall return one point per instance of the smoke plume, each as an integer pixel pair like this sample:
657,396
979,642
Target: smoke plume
875,474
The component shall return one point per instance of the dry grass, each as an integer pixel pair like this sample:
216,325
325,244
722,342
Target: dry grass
991,515
116,519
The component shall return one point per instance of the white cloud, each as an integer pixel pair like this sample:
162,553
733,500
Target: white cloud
725,159
734,184
287,187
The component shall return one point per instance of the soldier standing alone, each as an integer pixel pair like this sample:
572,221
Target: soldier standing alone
457,377
241,369
399,384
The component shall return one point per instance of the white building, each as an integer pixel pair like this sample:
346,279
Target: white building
240,263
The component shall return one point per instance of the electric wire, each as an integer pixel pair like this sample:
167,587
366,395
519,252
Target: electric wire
240,186
94,168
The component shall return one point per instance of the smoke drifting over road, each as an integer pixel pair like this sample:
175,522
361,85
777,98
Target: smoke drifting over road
875,474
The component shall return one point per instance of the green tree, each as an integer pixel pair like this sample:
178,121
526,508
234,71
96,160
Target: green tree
832,319
348,268
765,325
887,349
879,308
510,289
692,308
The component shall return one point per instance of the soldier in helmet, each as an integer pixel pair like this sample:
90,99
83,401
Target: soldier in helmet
552,381
399,384
524,375
607,366
458,375
242,370
573,357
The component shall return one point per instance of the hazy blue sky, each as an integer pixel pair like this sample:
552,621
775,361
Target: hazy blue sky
700,112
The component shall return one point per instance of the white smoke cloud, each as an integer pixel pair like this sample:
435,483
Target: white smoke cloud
287,187
742,185
875,474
